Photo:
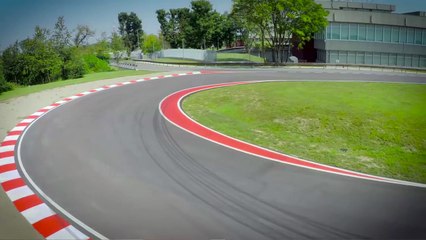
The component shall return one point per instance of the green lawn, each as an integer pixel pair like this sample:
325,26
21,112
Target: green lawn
175,60
375,128
238,57
21,91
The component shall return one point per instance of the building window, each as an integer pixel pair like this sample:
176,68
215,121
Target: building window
376,58
415,62
344,31
328,30
370,32
403,35
334,57
423,61
392,59
362,34
353,31
368,58
424,37
386,34
407,60
335,31
395,34
360,57
418,36
400,60
379,33
351,58
384,59
343,56
410,35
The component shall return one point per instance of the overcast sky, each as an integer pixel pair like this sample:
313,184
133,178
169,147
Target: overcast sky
19,17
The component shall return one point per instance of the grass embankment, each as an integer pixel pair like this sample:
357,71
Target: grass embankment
238,57
375,128
21,91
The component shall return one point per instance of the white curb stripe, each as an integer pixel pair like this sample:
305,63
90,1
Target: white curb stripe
9,175
7,160
11,138
37,213
37,114
19,193
19,128
7,148
28,120
69,232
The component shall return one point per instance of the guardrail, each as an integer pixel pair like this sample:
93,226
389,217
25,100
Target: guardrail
298,65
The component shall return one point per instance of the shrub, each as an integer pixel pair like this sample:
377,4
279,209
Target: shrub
94,64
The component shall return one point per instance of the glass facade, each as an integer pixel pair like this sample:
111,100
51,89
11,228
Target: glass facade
374,33
388,59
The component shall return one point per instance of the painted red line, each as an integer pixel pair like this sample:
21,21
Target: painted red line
8,143
32,117
7,154
119,84
27,202
7,167
133,81
67,99
171,110
105,87
79,95
12,184
93,90
55,105
161,76
50,225
146,79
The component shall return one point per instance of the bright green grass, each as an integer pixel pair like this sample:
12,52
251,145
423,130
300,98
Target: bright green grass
175,60
238,57
375,128
21,91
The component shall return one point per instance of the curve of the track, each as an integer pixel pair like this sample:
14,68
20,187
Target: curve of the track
117,165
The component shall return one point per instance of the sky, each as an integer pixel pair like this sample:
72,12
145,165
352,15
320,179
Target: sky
18,18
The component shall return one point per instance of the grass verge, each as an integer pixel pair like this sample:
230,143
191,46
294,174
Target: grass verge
25,90
238,57
375,128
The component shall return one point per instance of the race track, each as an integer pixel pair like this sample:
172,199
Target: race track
113,162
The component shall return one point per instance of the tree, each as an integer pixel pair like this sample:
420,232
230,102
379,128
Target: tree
61,37
130,30
151,44
83,33
117,46
281,20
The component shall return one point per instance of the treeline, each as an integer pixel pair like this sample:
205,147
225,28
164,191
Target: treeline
50,55
274,24
197,27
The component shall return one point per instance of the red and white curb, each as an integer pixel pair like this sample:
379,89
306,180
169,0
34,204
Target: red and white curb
170,108
27,201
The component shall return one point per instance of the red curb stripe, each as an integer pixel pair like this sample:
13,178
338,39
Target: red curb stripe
7,167
8,143
170,108
79,95
12,133
22,125
7,154
50,225
32,117
12,184
27,202
43,110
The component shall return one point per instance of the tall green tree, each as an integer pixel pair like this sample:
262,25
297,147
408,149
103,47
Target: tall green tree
279,21
151,44
117,46
130,30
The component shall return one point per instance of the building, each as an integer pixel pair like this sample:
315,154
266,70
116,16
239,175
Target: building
372,34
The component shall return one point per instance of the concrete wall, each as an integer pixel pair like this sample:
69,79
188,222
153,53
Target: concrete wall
196,54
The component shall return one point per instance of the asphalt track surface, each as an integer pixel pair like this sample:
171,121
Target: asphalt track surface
112,161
